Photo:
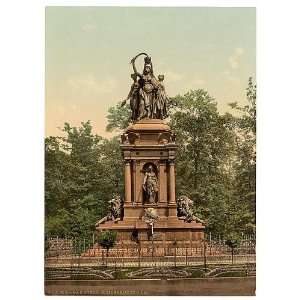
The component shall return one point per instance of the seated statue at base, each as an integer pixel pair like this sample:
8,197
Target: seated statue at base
185,211
115,211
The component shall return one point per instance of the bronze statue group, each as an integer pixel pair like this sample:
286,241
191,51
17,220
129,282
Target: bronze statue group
147,94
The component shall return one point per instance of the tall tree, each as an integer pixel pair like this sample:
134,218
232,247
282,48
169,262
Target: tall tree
245,164
205,142
204,156
82,173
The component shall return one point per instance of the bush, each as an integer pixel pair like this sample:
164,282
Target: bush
107,239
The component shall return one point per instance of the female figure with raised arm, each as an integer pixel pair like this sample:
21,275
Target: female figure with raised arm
148,88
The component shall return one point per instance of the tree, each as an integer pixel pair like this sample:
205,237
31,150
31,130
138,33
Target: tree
245,163
82,172
118,117
205,142
203,163
112,162
107,240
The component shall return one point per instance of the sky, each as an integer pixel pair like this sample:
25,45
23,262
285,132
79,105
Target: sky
88,50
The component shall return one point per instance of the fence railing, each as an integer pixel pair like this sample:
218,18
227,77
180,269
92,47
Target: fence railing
86,252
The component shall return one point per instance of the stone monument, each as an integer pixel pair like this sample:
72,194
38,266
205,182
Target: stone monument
149,152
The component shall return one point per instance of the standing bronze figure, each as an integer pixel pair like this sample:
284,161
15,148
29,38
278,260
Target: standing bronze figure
133,97
147,95
150,185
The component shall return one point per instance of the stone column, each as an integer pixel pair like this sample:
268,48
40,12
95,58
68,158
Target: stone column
138,181
172,195
127,182
133,179
162,182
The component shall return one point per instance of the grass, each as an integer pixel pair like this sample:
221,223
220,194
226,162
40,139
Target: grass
120,274
198,273
232,274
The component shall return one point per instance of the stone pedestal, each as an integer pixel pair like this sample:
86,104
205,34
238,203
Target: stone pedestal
151,142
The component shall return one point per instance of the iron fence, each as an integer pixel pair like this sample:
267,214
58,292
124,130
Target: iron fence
75,252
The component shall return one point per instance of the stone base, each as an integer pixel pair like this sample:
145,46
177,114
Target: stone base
167,231
136,211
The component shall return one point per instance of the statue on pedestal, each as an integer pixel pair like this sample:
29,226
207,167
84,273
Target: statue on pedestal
149,147
185,211
115,211
148,98
150,185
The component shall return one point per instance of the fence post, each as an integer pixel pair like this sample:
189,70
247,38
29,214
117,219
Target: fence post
204,254
139,256
175,255
79,252
57,254
186,255
152,246
72,256
106,257
74,251
210,243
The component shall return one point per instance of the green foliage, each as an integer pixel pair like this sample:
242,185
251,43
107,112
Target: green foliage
204,157
206,143
107,239
215,163
59,224
82,172
118,117
245,164
233,240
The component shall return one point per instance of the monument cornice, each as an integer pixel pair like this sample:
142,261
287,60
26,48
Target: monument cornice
149,146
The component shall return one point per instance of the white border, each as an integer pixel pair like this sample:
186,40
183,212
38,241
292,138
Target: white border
22,129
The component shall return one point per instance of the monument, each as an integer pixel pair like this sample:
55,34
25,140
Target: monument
149,150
